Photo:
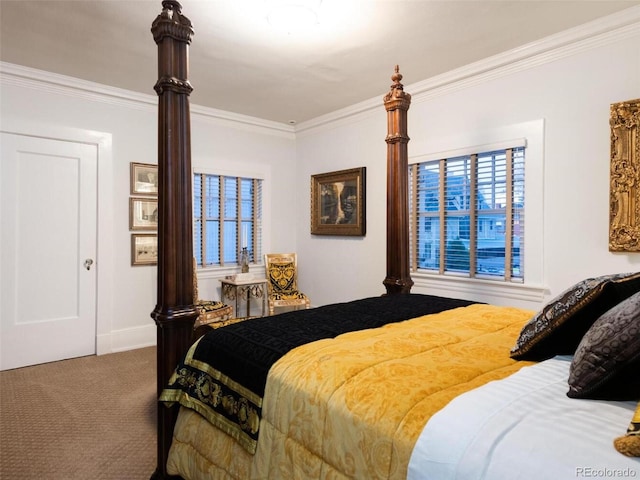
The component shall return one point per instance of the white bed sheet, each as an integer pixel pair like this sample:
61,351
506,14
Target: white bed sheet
525,427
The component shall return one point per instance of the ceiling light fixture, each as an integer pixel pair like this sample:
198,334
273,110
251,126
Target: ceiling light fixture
293,15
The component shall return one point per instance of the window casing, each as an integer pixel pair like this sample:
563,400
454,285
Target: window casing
467,215
227,217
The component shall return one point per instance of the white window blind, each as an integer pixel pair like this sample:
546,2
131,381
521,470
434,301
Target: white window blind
227,218
467,214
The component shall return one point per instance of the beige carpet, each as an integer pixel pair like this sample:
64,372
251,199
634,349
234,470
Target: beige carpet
87,418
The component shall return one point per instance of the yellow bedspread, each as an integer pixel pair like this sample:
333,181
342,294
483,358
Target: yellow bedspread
354,406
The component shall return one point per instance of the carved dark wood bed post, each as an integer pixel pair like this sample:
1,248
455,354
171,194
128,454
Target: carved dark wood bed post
396,102
174,313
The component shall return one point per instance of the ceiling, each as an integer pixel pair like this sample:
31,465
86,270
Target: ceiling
240,63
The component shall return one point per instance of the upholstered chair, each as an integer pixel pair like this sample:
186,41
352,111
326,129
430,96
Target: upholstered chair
282,279
210,312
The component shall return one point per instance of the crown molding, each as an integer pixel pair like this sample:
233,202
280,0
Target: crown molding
49,82
604,31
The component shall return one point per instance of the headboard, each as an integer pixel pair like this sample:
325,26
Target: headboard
174,313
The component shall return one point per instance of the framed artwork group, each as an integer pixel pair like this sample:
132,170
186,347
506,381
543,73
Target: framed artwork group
143,213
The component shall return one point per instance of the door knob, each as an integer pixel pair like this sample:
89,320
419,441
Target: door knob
87,263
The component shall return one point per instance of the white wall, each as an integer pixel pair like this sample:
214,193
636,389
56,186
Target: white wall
339,268
568,86
569,89
43,104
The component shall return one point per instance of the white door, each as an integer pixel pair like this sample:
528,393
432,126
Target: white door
48,203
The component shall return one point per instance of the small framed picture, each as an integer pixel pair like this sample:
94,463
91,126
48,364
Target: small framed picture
144,179
143,213
338,203
144,249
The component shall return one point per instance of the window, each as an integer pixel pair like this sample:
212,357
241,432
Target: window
467,215
227,217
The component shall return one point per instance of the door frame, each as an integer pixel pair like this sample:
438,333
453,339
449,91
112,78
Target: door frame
105,226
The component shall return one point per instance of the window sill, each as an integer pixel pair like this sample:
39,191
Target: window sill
496,292
221,272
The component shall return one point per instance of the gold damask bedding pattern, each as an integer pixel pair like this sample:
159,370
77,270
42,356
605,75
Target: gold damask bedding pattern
224,374
354,406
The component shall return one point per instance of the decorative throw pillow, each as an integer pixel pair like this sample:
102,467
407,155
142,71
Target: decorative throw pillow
629,444
558,328
606,364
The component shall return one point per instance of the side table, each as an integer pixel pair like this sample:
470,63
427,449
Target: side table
244,291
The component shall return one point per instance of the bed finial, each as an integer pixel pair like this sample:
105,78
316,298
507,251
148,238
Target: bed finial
397,93
396,77
172,5
171,23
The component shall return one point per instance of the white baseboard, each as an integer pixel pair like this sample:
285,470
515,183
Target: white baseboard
126,339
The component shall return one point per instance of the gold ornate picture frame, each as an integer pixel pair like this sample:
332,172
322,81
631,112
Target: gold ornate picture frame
624,196
338,203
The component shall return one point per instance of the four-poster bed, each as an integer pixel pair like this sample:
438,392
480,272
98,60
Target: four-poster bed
339,391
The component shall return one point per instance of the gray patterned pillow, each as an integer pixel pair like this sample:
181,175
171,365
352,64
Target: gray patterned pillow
606,364
558,328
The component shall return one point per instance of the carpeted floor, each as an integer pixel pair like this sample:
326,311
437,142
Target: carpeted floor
87,418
